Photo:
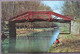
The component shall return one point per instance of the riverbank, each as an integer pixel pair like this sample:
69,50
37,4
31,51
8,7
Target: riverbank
68,43
25,32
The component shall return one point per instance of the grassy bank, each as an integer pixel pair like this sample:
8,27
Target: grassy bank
68,43
25,32
64,30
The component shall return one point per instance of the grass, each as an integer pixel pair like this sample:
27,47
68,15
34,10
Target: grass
64,30
25,32
68,43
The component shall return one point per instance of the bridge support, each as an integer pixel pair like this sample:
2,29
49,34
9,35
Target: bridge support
70,27
12,37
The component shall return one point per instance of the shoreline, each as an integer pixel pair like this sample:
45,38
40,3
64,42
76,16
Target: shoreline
68,43
31,31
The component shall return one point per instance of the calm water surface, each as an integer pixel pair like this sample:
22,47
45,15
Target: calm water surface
37,42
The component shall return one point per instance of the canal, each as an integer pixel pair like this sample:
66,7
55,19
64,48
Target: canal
36,42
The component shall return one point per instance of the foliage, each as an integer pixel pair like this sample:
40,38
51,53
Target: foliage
10,9
71,8
14,8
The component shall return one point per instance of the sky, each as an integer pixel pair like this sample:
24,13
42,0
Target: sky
55,5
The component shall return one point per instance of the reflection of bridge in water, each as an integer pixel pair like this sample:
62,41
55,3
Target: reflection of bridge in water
36,42
32,16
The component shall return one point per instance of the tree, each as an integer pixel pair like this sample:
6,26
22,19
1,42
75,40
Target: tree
71,8
14,8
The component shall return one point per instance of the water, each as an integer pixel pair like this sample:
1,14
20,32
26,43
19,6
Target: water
55,35
37,42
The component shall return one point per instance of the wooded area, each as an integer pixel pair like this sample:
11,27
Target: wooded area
71,8
10,9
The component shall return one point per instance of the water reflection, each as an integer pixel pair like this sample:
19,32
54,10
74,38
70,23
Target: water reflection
37,42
